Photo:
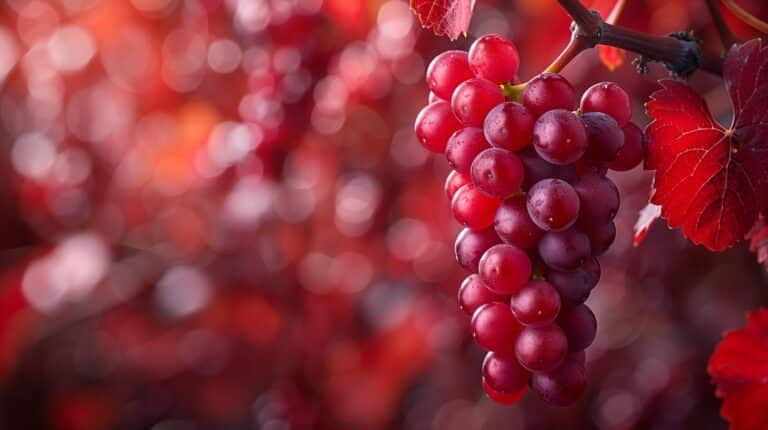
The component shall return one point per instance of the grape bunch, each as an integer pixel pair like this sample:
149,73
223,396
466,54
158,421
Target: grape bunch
529,185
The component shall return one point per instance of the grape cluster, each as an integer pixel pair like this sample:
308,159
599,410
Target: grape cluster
528,184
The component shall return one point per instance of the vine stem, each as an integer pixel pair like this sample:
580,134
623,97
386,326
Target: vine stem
747,17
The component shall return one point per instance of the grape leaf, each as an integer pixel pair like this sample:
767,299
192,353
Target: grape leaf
712,181
739,369
611,57
758,241
648,215
444,17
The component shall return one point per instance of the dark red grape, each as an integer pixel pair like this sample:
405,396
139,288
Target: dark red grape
632,153
536,168
463,146
574,286
472,208
473,294
579,325
513,224
504,268
495,58
605,138
553,204
601,238
563,386
504,373
495,328
497,172
541,349
472,244
599,199
509,126
536,304
434,125
502,398
473,99
559,137
548,91
454,181
564,250
447,71
608,98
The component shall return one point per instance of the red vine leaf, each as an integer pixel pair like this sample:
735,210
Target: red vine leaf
611,57
712,181
444,17
758,241
648,215
739,369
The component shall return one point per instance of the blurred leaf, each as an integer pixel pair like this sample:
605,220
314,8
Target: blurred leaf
739,369
611,57
444,17
711,181
758,241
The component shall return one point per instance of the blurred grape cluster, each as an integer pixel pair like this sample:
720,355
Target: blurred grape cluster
215,215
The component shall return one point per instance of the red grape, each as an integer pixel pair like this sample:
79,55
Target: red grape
434,125
553,204
502,398
563,386
608,98
546,92
559,137
513,224
495,58
579,325
509,126
471,245
632,153
463,146
536,304
497,172
473,294
541,349
446,72
473,208
454,181
495,328
504,268
473,99
504,373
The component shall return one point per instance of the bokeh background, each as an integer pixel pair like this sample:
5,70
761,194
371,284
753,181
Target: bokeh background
214,215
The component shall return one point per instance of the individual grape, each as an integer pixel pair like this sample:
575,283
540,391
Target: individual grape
471,245
574,286
541,349
579,325
472,208
434,125
473,294
559,137
536,304
599,199
473,99
497,172
433,98
502,398
601,238
504,373
454,181
564,250
495,328
578,356
446,72
608,98
509,125
553,204
548,91
631,154
605,138
513,224
536,168
563,386
463,146
504,268
495,58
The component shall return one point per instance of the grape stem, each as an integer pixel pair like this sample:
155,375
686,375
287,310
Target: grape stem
680,55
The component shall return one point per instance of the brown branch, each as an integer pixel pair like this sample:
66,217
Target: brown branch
747,17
